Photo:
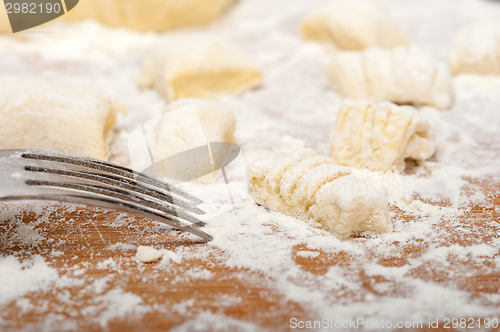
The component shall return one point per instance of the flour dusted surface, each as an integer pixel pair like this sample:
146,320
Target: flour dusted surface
439,261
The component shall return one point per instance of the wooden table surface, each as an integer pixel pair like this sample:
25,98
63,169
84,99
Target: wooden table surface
93,250
84,235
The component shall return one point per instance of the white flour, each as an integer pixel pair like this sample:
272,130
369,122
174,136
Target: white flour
294,107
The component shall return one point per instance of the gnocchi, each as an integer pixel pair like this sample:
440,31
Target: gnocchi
187,124
379,136
311,187
150,15
198,66
400,75
476,50
353,25
5,27
38,114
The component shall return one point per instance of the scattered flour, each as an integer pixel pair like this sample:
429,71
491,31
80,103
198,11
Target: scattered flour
294,107
308,253
116,303
20,278
205,321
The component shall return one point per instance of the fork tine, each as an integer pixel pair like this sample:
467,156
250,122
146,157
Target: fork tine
117,194
94,200
51,175
118,183
103,166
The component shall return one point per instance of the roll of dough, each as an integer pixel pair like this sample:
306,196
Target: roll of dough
303,185
38,114
380,136
400,75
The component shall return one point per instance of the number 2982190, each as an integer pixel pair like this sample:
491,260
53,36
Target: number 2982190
33,8
471,323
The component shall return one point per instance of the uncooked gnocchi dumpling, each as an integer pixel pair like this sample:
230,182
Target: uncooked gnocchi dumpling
400,75
38,114
379,136
5,28
198,66
154,15
353,25
304,185
476,50
188,124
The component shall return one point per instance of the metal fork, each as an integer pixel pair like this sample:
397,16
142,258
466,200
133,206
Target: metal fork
27,174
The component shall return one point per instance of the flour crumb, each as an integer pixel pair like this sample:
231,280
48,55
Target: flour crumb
149,254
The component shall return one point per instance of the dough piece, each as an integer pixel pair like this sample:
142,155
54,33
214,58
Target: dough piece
400,75
476,50
379,136
353,25
306,186
149,254
188,124
149,15
38,114
198,66
5,28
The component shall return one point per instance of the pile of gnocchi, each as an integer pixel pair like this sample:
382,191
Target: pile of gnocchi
382,79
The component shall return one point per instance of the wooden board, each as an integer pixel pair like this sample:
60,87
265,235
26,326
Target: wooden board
84,236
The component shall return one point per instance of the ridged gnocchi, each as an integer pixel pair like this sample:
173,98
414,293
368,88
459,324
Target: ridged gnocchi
400,75
311,187
379,136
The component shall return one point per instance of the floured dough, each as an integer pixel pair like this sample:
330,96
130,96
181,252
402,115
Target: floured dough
188,124
400,75
5,28
379,136
149,254
198,66
307,186
38,114
353,25
476,50
155,15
